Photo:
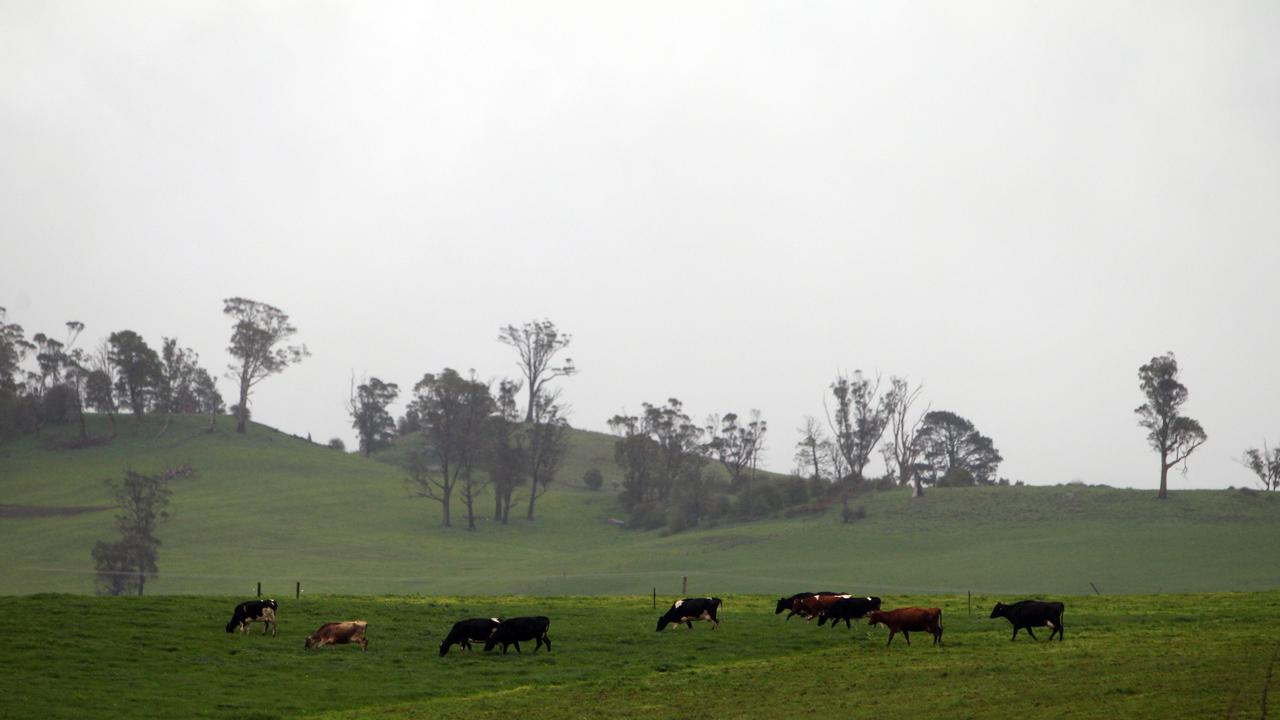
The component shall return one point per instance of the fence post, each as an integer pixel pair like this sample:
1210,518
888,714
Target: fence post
259,588
684,585
655,597
297,590
970,602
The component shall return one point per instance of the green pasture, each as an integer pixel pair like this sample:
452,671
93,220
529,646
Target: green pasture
270,507
1183,656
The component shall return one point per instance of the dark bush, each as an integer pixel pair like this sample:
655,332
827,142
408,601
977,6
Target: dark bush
795,491
853,514
57,405
337,444
593,479
957,477
646,516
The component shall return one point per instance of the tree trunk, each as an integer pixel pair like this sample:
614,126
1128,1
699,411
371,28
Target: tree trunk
533,496
497,503
917,490
1164,479
142,580
244,406
84,434
444,503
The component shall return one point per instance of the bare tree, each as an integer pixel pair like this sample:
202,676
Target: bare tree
1264,463
1170,433
809,457
537,343
256,339
904,448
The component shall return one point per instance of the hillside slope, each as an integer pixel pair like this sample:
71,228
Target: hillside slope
273,508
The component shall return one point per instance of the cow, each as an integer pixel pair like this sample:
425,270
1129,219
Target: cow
252,611
848,609
689,609
907,620
813,606
464,631
1027,614
339,633
789,603
520,629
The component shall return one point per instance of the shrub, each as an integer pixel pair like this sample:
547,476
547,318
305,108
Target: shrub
337,444
853,514
593,479
646,516
957,477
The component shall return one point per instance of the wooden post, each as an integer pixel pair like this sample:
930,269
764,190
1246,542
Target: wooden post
684,585
655,597
1095,588
259,588
297,590
970,602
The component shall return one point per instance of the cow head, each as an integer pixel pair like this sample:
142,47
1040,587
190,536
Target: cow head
875,617
444,647
231,626
998,610
310,642
783,604
662,623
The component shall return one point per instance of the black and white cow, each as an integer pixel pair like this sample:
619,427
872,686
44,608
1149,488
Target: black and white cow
848,609
689,609
252,611
518,630
1027,614
464,631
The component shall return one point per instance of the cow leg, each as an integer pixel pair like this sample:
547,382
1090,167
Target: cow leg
1015,633
847,625
1033,635
547,639
937,638
689,623
364,645
517,644
264,626
891,634
907,634
274,627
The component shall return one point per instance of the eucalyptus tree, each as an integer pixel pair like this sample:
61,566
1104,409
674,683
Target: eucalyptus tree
257,346
903,450
1264,463
367,406
1171,434
537,343
954,449
454,412
137,369
859,422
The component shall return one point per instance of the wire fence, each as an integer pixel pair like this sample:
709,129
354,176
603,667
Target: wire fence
666,583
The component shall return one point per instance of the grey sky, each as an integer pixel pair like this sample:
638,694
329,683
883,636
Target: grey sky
1015,203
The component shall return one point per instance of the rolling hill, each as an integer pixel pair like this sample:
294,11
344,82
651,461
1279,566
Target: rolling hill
270,507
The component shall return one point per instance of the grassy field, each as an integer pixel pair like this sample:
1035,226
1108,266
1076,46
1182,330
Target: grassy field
274,508
1199,655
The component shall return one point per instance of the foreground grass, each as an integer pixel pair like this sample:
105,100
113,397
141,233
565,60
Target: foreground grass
1203,655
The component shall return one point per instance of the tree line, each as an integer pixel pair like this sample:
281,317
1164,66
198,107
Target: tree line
124,373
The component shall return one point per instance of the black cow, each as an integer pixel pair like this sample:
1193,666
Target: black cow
849,608
788,603
1031,613
690,609
464,631
520,629
263,611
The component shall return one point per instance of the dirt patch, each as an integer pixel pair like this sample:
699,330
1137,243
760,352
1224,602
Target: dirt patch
29,511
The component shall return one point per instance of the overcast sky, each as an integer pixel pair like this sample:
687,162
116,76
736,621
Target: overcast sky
1016,204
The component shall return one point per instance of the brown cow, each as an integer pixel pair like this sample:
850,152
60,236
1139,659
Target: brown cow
339,633
811,606
908,619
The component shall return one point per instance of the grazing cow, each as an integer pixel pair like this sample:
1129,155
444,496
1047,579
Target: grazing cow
815,605
690,609
789,603
908,620
339,633
263,611
848,609
464,631
1031,613
520,629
